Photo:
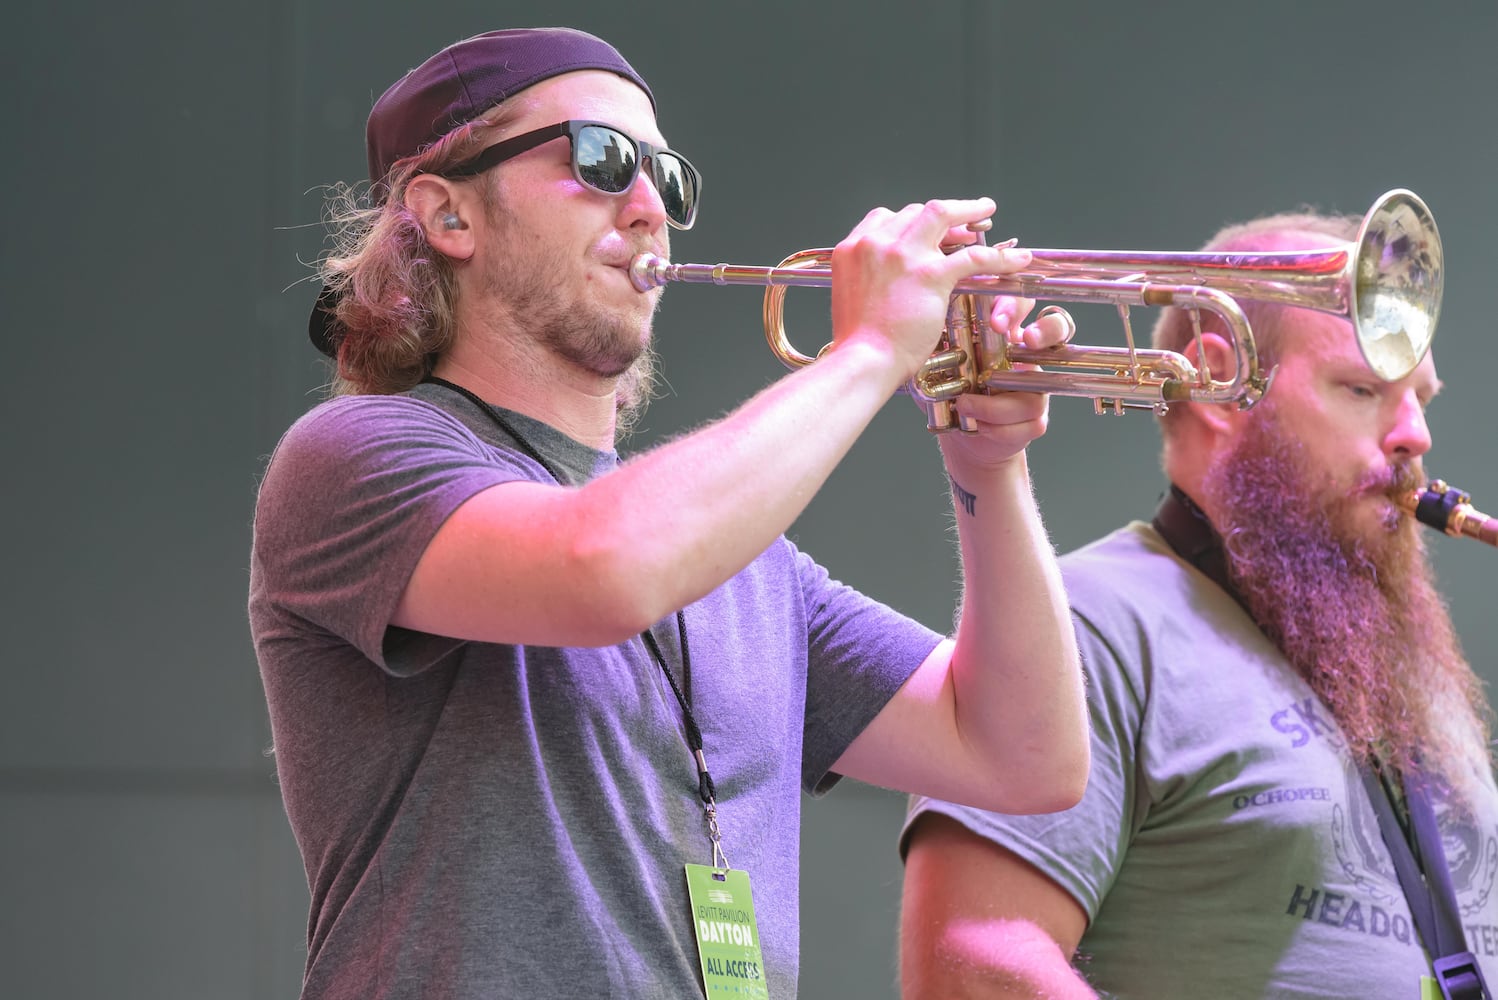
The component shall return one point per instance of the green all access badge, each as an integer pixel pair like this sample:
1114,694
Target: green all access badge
727,936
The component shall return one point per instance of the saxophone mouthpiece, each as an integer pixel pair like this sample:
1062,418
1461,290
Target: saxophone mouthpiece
1450,510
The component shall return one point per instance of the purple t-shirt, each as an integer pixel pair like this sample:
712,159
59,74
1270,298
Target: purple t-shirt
482,820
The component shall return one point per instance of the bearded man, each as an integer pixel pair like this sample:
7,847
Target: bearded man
1266,660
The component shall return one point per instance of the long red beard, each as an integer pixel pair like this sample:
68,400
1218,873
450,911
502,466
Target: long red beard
1356,612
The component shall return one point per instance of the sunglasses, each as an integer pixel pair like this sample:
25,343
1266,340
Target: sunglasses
607,160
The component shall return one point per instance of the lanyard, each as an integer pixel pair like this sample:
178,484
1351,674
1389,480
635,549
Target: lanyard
706,790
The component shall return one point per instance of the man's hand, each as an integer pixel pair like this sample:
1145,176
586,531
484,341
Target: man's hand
1006,421
893,276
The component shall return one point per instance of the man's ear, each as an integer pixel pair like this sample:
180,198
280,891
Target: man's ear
1217,357
446,213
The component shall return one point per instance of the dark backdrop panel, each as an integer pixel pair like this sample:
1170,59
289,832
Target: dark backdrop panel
165,167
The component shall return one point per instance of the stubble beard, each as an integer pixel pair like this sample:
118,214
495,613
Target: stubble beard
1354,609
530,280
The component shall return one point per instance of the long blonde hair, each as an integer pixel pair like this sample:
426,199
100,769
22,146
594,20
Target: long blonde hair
395,294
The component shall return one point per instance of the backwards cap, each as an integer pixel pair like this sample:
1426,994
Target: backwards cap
454,87
469,77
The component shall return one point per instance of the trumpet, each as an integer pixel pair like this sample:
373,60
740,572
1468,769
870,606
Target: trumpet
1449,510
1387,283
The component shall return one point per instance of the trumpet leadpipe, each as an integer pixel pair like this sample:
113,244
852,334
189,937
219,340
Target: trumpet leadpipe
647,271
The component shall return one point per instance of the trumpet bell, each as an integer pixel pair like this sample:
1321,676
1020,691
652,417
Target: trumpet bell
1397,280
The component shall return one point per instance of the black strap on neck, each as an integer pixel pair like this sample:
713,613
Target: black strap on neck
706,790
1419,858
1185,527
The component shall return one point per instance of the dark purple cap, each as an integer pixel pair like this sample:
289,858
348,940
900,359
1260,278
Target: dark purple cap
456,86
469,77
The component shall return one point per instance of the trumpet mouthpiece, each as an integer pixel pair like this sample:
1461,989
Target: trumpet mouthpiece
648,271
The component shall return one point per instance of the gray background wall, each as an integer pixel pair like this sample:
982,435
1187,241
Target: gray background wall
162,158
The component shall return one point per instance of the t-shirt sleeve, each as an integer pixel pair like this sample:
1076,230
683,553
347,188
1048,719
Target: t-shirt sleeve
351,499
1081,848
860,653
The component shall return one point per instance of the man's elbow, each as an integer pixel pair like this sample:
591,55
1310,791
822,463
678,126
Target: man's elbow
1058,796
1049,782
1072,784
616,593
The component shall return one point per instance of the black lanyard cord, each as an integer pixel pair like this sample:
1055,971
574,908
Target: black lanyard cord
503,424
705,788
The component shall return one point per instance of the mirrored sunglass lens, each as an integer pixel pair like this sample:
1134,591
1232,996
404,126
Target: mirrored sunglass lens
676,188
605,159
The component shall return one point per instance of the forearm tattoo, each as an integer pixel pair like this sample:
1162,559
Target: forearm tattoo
969,501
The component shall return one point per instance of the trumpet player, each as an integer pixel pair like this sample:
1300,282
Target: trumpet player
517,683
1291,793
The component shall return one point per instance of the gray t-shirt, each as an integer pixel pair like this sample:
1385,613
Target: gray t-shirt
483,820
1225,846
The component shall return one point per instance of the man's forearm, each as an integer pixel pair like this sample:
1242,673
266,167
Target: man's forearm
1017,681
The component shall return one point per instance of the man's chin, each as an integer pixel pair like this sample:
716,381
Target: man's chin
1377,524
1394,518
631,309
622,360
1386,514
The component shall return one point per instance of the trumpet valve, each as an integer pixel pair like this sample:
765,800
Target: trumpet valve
943,376
942,417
